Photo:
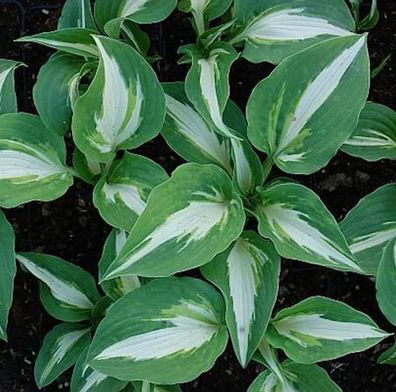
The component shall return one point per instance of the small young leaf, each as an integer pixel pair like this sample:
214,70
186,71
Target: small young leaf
8,271
32,161
86,169
248,276
8,99
375,136
319,329
388,357
370,225
53,90
174,325
77,13
124,106
60,350
67,292
307,98
299,224
188,220
122,194
386,282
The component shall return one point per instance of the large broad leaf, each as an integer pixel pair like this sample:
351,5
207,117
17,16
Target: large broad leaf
77,13
319,329
388,357
311,95
67,292
117,287
386,282
122,194
124,106
188,220
71,40
175,326
53,91
32,161
8,99
248,276
59,351
86,379
8,271
299,224
283,28
145,386
375,136
370,225
207,84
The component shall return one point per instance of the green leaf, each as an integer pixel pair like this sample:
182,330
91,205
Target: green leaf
86,379
371,19
8,99
77,13
117,287
123,108
187,133
386,282
188,220
319,329
299,224
370,225
67,292
121,195
207,84
248,276
145,386
32,161
85,168
315,93
53,90
60,350
175,326
8,271
388,357
136,36
283,28
75,40
375,136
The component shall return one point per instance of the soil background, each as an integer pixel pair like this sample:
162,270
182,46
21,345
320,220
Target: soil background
71,228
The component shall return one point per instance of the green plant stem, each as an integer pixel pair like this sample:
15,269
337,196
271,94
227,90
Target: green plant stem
267,168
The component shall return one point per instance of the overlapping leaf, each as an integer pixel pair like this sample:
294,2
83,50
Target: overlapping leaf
188,220
145,386
388,357
8,100
174,325
124,106
248,276
32,161
307,98
77,13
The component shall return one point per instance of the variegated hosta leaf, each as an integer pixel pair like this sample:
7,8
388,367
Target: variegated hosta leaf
8,271
145,386
304,378
117,287
188,220
32,161
204,11
124,106
287,27
86,169
54,89
311,95
122,194
375,136
110,14
248,276
207,84
77,13
319,329
299,224
74,40
67,292
8,99
86,379
174,325
187,132
388,357
386,282
136,37
370,225
59,351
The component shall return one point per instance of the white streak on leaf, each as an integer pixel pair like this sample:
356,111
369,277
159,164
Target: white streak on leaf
132,6
92,381
372,240
129,194
372,139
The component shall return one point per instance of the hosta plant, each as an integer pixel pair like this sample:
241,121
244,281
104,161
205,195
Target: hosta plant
147,324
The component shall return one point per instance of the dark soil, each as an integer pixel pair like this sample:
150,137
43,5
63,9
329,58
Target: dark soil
72,229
